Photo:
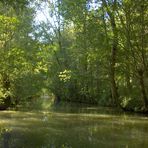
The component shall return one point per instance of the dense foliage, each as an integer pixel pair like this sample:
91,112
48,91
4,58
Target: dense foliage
87,51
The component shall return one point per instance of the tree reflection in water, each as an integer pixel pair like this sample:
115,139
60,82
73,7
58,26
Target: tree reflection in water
40,129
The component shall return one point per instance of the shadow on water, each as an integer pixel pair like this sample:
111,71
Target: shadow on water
72,126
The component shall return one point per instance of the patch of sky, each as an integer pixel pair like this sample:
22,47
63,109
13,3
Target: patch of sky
93,5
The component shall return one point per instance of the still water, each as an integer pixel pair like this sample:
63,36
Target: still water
72,127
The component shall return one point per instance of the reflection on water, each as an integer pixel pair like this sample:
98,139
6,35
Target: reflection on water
72,127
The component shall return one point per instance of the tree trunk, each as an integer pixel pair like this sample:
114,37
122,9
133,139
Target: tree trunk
6,86
143,92
111,13
112,77
113,62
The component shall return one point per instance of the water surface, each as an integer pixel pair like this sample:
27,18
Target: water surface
73,127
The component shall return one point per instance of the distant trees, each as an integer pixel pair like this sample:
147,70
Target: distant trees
106,52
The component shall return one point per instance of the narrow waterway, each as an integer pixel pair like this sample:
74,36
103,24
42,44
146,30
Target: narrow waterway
72,127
